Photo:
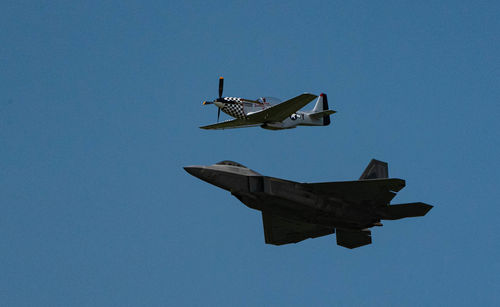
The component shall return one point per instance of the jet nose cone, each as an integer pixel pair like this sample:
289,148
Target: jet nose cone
194,170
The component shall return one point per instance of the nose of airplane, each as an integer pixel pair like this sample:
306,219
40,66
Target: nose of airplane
222,178
219,104
194,170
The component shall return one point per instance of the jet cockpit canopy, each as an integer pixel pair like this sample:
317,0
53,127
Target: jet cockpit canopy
232,163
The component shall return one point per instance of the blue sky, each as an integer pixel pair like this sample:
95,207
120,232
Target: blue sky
100,104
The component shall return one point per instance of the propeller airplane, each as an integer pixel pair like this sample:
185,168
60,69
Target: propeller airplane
270,113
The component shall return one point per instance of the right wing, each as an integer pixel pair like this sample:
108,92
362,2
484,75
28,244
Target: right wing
279,230
229,124
352,238
281,111
378,190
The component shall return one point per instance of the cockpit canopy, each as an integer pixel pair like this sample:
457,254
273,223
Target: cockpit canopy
271,100
231,163
236,168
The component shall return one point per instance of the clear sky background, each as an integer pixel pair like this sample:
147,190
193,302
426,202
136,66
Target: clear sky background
100,104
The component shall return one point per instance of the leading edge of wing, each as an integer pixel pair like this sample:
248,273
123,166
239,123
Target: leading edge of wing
231,124
281,111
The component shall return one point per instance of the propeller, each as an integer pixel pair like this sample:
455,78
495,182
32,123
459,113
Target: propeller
221,86
220,99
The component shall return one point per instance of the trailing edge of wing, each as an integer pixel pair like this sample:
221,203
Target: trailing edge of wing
281,111
230,124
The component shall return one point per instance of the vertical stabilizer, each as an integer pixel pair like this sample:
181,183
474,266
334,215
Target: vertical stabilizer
322,105
376,169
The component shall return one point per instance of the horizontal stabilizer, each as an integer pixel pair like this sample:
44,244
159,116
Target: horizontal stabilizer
352,238
321,114
395,212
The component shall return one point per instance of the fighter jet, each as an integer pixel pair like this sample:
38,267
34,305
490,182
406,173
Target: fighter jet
270,113
293,211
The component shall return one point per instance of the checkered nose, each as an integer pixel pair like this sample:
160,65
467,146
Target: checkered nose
233,109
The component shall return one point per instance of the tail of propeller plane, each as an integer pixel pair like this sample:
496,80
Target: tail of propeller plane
321,109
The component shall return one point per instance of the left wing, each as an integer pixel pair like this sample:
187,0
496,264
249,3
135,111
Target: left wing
235,123
279,230
281,111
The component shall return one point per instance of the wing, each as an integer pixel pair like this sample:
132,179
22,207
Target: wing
230,124
279,230
281,111
352,238
380,191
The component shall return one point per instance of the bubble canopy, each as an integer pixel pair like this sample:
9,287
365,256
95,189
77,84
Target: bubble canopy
231,163
271,100
236,168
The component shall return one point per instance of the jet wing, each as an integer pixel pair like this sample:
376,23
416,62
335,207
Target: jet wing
378,190
230,124
281,111
279,230
352,238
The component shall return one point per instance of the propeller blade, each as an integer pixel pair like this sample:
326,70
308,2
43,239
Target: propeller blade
221,86
218,114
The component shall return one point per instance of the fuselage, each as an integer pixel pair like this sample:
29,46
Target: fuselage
283,197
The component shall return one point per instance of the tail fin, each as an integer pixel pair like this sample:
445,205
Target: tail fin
376,169
322,105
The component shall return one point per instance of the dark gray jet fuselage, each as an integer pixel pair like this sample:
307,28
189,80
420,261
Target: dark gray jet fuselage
294,211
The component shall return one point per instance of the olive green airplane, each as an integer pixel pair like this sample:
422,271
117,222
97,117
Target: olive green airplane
269,112
293,211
